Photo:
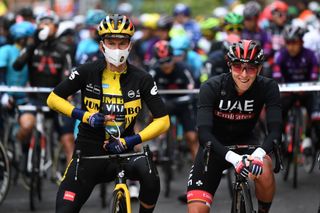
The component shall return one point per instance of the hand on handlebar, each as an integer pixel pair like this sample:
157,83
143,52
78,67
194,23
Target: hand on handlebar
115,146
241,166
119,145
240,162
256,162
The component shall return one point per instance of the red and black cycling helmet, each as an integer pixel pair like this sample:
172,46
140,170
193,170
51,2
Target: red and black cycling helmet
278,6
162,51
246,51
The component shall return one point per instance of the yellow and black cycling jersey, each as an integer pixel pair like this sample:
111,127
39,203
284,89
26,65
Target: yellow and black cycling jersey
111,93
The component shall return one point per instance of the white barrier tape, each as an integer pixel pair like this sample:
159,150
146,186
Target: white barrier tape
25,89
291,87
300,87
33,108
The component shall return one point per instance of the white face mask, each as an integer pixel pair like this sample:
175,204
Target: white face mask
116,56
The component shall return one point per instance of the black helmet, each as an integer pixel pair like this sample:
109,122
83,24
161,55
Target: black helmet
251,9
26,12
292,32
165,22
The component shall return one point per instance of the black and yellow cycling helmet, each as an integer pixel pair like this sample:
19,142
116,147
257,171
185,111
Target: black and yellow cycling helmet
116,26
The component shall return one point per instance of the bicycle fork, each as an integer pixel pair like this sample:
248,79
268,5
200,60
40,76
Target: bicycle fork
121,185
42,165
242,200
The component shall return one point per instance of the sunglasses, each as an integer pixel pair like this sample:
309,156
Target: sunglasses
279,14
233,28
250,18
238,68
164,60
292,42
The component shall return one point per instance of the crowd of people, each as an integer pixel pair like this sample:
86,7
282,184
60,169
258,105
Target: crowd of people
119,61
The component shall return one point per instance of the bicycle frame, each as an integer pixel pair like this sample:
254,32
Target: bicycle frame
37,153
121,184
294,131
5,173
241,193
39,128
124,188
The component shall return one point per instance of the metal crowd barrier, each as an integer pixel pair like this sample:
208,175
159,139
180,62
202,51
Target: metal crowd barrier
290,87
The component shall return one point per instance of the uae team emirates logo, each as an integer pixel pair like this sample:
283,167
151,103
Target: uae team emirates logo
235,110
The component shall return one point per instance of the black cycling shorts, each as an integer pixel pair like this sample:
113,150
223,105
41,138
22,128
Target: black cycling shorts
203,185
72,194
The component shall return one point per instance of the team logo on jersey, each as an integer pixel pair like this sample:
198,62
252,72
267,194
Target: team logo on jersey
93,88
105,86
132,109
229,105
235,110
131,94
73,74
93,105
154,89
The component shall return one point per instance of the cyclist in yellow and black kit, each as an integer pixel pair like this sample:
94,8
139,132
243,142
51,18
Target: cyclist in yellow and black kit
112,91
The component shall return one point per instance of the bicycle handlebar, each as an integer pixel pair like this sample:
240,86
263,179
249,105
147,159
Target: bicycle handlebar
276,151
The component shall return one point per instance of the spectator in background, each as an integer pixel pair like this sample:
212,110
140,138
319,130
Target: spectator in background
20,33
88,48
209,28
182,52
48,62
142,51
278,20
66,33
252,31
5,23
232,24
182,16
216,63
169,74
26,14
164,26
294,63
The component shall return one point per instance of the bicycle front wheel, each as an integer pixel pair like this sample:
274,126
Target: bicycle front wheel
4,173
119,204
35,179
246,201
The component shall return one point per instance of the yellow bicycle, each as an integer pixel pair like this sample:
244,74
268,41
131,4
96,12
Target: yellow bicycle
120,197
